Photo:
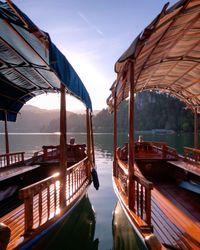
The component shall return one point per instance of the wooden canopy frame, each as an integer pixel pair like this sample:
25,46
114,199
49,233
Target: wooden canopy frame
166,57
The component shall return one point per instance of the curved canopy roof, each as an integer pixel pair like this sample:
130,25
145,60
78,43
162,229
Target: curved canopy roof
165,56
30,64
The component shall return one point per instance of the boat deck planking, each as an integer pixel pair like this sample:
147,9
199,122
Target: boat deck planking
174,223
185,200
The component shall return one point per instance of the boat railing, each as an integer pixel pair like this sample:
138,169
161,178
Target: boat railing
192,155
160,147
42,199
73,151
39,197
167,151
11,159
121,173
78,176
142,188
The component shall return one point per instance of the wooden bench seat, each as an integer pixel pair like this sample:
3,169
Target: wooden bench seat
188,166
9,172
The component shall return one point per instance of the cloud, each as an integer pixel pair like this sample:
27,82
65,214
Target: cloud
85,19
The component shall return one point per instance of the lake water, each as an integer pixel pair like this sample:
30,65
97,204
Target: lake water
99,222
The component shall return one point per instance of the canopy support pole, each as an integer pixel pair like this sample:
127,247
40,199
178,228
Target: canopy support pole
6,139
88,134
131,160
92,140
63,149
115,135
195,128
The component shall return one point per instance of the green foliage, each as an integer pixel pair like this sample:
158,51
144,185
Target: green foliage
161,111
152,111
75,123
103,121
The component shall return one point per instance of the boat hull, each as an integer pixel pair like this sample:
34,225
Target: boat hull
43,240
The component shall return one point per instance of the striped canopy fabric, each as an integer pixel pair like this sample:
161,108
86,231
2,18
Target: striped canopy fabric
165,57
30,64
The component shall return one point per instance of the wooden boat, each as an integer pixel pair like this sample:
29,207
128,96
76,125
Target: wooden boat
30,64
158,188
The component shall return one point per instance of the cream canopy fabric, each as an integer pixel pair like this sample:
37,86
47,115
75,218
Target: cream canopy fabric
165,56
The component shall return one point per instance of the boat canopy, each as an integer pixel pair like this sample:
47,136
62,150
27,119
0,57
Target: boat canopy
164,57
30,64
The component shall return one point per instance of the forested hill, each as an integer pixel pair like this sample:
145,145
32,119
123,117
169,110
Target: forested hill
152,111
157,111
30,120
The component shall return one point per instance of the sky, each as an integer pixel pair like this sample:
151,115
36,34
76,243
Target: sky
92,34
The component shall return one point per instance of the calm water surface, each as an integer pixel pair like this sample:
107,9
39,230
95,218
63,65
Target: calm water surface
94,218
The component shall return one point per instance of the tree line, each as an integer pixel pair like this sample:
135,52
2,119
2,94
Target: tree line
152,111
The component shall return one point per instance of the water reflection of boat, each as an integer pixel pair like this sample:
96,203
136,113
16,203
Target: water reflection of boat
30,64
73,232
124,237
157,188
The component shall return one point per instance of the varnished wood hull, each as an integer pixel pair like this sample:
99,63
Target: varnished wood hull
175,216
75,231
124,233
38,236
135,221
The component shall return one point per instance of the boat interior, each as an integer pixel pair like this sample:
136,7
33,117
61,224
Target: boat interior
25,172
51,154
175,214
